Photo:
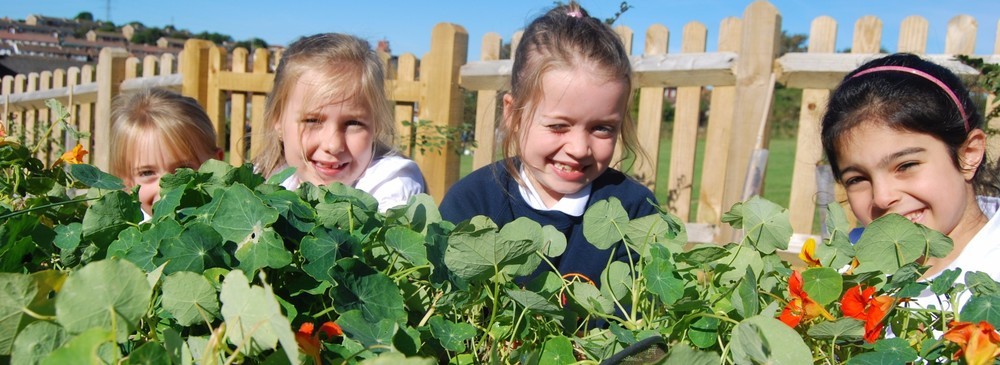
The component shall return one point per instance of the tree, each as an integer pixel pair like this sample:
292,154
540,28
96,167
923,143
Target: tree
84,16
251,43
792,43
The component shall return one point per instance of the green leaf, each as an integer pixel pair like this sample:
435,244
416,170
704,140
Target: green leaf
109,215
83,349
739,260
150,353
407,340
887,351
824,285
111,295
190,298
36,341
766,225
253,317
476,254
408,244
452,335
557,350
68,236
604,223
532,301
682,354
93,177
981,283
938,245
192,250
645,231
376,336
945,281
982,308
419,212
848,329
553,241
704,332
281,176
888,243
17,291
395,358
745,298
661,278
763,339
321,251
617,280
590,298
702,254
372,292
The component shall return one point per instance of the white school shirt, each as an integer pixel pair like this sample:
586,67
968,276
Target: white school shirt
573,204
981,254
391,179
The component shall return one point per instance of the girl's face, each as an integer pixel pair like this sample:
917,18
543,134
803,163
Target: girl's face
156,160
892,171
326,143
570,137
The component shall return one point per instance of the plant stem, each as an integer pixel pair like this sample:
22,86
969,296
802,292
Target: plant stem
50,205
38,316
430,311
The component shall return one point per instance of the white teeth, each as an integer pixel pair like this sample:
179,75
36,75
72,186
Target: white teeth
913,217
563,167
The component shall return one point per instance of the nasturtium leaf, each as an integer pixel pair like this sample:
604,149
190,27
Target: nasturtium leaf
762,339
766,225
17,291
906,275
702,254
532,301
84,349
682,354
419,212
477,254
846,329
451,335
109,215
837,251
590,298
704,332
355,196
823,284
645,231
141,248
605,223
150,353
262,248
68,236
190,298
557,350
373,293
192,250
407,340
281,176
740,259
616,280
981,283
408,244
888,243
321,251
93,177
253,317
623,335
342,214
226,174
945,281
887,351
395,358
48,283
938,245
661,277
376,335
553,241
110,294
36,341
299,214
745,298
982,308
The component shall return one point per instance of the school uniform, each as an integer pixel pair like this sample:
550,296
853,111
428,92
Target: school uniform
390,179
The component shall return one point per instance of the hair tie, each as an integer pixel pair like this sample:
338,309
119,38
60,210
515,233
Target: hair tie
928,77
575,13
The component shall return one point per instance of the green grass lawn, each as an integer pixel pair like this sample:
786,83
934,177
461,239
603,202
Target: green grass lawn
777,182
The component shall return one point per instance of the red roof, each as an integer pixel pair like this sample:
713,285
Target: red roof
29,37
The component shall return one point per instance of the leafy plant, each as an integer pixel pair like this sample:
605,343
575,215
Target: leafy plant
426,137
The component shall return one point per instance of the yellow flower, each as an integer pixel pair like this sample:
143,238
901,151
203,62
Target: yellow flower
74,156
980,343
808,254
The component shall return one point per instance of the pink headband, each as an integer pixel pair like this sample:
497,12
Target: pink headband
575,14
926,76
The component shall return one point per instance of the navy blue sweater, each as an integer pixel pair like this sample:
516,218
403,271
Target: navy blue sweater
492,192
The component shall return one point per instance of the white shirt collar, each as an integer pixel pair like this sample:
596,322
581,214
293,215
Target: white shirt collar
573,204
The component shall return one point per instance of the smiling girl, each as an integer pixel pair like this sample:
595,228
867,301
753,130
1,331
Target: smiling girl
903,136
331,121
566,110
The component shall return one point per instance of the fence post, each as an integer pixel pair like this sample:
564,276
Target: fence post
443,102
648,123
214,100
238,113
685,133
486,108
194,69
993,147
808,152
761,29
261,63
110,74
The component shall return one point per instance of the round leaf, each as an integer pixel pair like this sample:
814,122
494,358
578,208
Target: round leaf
109,294
557,350
765,340
36,341
604,223
982,308
93,177
823,284
190,298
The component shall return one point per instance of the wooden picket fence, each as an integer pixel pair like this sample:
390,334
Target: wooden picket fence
738,79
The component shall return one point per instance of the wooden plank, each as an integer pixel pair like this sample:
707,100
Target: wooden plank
7,88
149,66
993,144
515,41
824,71
258,126
404,91
867,35
625,34
60,141
110,73
808,150
961,37
238,112
215,100
443,102
85,118
255,83
131,68
486,108
717,136
31,115
167,61
406,74
194,67
72,80
913,35
761,27
45,120
17,121
650,115
685,133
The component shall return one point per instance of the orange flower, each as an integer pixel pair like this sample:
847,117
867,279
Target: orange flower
74,156
979,342
309,341
863,305
808,254
800,306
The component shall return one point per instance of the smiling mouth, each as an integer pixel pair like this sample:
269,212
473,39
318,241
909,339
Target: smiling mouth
564,167
915,216
329,168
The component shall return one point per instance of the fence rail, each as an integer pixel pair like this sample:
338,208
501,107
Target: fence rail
736,80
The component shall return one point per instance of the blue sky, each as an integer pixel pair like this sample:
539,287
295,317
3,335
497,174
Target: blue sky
407,23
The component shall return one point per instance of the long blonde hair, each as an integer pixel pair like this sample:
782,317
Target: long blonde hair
179,122
348,68
564,38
